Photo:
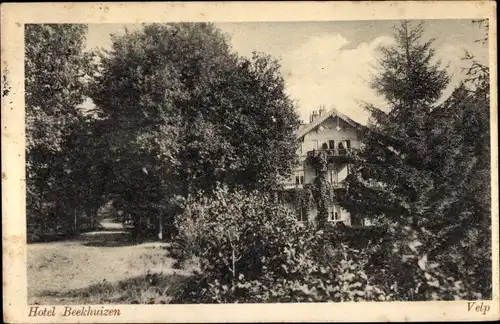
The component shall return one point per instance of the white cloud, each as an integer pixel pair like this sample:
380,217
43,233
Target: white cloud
326,68
323,71
451,57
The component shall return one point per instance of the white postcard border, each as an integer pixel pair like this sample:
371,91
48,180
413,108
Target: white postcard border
13,18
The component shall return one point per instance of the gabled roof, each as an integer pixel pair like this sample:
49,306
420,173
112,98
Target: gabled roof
303,130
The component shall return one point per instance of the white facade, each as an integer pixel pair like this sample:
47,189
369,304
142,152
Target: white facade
336,134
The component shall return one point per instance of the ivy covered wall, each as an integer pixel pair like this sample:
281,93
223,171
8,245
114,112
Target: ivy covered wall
315,196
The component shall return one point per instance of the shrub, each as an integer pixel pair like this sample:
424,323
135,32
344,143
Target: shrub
235,232
252,250
400,263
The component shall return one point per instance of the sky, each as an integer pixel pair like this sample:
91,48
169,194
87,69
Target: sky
331,63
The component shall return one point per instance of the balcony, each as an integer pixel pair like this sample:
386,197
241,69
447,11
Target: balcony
332,155
293,185
338,185
290,185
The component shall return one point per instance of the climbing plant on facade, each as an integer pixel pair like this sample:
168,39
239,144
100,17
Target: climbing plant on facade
300,197
323,191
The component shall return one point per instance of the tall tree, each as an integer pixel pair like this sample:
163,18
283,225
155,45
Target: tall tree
425,164
216,118
391,176
57,70
462,203
244,129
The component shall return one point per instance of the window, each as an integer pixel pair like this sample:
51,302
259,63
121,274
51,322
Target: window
342,149
334,214
315,144
324,146
299,177
331,144
348,144
302,214
333,176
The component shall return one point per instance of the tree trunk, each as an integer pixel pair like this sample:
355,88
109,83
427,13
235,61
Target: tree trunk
75,216
160,226
137,226
92,218
89,215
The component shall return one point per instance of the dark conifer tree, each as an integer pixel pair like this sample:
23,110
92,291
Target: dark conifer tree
391,176
425,164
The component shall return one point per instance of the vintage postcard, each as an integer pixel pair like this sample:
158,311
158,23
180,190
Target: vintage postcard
249,162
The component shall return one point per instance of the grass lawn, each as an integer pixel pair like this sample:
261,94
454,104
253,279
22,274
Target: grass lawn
101,267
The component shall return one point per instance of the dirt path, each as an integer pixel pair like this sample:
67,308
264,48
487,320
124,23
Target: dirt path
107,255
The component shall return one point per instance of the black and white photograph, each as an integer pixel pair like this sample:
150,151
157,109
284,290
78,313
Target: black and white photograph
214,162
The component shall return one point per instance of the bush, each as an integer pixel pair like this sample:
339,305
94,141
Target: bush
400,263
235,233
252,250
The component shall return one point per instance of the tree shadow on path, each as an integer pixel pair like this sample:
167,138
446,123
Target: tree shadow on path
108,239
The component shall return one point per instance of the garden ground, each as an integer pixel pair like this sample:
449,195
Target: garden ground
102,267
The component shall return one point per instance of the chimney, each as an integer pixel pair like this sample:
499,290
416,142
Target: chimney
314,115
322,110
